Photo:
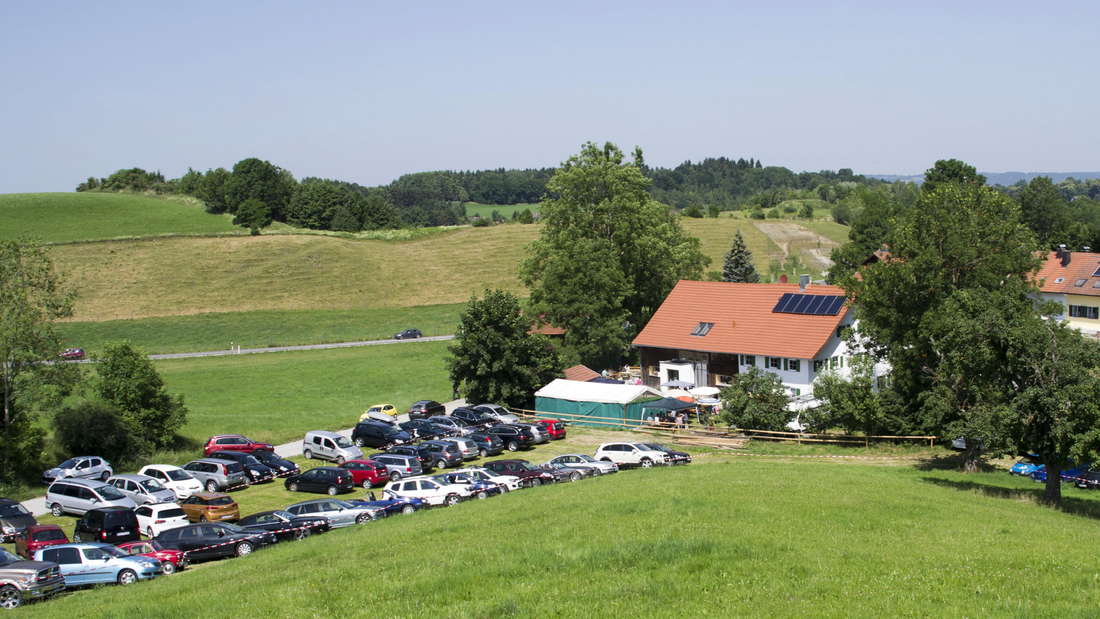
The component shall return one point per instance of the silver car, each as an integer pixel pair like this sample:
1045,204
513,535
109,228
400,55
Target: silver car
80,467
498,412
142,489
76,496
468,448
541,436
339,513
584,460
398,465
453,424
218,475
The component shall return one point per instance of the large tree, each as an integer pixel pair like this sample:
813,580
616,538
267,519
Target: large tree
627,252
1046,212
755,400
948,171
262,180
128,380
738,265
494,357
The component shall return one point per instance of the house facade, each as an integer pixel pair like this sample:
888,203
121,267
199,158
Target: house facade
1072,279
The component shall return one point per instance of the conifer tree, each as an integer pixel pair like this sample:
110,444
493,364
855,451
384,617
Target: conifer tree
738,266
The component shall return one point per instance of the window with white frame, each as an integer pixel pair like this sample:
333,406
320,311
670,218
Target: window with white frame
819,364
792,365
1084,311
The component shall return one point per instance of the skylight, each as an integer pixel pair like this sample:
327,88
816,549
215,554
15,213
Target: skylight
1059,280
703,328
1079,283
1096,273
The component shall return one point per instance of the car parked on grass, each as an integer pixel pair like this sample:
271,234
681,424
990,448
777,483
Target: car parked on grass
564,472
473,418
210,507
218,475
110,525
37,536
399,465
528,474
76,496
539,435
366,472
480,473
421,451
385,413
390,506
630,454
80,467
339,513
285,525
1070,474
433,490
258,472
152,519
1089,480
422,409
487,444
72,354
372,433
478,488
672,456
498,413
279,465
22,580
331,446
234,442
457,426
466,447
171,560
13,519
514,437
210,540
331,480
96,564
422,429
142,488
553,428
1026,466
408,334
602,467
445,453
174,478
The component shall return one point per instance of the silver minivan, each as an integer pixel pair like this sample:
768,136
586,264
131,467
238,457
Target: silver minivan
76,496
142,488
399,465
468,448
329,446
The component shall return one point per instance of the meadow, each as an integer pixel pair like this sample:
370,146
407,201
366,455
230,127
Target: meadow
485,211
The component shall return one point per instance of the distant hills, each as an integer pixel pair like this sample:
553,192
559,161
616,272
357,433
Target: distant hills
996,178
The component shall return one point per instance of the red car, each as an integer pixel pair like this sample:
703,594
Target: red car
171,560
367,473
554,427
73,354
234,442
38,536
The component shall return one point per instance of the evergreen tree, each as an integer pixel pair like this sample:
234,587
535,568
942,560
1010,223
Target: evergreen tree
738,266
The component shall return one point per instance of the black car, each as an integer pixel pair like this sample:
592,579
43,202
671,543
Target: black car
257,471
674,457
472,417
408,334
422,429
13,519
1090,480
327,479
377,434
111,525
281,466
513,437
426,408
444,453
284,524
213,540
487,444
420,451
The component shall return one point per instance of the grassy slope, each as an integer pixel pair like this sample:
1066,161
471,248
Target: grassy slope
64,217
506,210
715,538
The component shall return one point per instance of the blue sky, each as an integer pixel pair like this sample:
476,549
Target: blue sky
366,91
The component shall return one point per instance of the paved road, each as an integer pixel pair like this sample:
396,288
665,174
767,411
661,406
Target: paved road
252,351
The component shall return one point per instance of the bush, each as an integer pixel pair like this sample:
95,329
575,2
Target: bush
789,208
713,211
480,222
526,217
756,213
693,211
807,211
96,427
774,213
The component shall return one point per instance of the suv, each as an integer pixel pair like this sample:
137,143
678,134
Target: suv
85,467
498,412
76,496
38,536
445,453
398,465
426,408
142,489
420,451
22,580
233,442
466,447
160,517
554,428
528,474
671,455
13,519
631,454
487,444
433,490
330,479
514,437
423,429
473,417
372,433
366,473
279,465
111,525
174,478
217,475
258,472
210,506
330,446
457,426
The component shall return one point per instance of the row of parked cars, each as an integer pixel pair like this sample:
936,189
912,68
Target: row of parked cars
1080,475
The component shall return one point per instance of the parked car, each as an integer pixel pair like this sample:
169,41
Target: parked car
81,467
537,432
513,436
421,451
76,496
95,564
110,525
37,536
399,465
487,444
457,426
473,418
630,454
1028,465
218,475
498,412
672,456
339,513
376,434
1089,480
445,453
171,560
234,442
209,540
528,474
1069,474
72,354
432,490
422,409
281,466
210,507
478,488
325,445
285,525
565,472
258,472
152,519
423,429
390,506
506,482
13,519
602,467
408,334
142,488
553,428
22,581
332,480
466,447
366,473
174,478
385,413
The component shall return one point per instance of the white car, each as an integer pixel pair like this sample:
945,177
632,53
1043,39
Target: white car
508,482
432,490
174,478
631,454
602,467
153,518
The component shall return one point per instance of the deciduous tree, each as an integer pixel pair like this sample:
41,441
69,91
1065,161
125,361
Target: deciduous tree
755,400
128,380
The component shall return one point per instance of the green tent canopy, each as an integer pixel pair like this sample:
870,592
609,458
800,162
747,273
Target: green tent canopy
603,402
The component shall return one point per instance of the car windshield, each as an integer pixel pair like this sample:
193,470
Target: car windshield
154,544
7,557
15,509
49,535
586,458
343,442
151,485
68,464
177,475
111,550
221,500
110,493
285,515
524,466
232,527
250,460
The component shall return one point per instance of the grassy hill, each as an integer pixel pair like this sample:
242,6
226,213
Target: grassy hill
67,217
505,210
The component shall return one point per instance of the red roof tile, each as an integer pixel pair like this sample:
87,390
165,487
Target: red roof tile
1082,266
743,320
581,373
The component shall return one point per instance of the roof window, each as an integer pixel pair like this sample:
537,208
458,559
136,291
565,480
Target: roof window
1096,273
1059,280
703,328
1079,283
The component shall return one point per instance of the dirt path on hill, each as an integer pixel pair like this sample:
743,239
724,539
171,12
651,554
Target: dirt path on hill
813,248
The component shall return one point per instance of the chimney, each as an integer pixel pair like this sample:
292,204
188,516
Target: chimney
803,282
1064,254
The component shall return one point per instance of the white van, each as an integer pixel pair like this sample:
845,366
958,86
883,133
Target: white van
330,446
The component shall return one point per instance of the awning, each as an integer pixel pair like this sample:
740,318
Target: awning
668,404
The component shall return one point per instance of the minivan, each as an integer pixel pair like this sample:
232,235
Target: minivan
329,446
76,496
398,465
111,525
216,474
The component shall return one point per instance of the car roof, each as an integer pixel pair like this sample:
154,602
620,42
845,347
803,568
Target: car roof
512,460
110,508
326,433
226,436
131,476
42,527
310,502
161,467
215,461
163,505
87,483
209,495
7,501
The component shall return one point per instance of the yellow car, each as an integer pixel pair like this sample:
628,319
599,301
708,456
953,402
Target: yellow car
376,411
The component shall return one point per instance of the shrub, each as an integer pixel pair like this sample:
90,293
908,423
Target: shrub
693,211
773,213
789,208
756,213
95,427
713,211
807,211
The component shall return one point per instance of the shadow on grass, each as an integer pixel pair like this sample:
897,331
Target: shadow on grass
951,462
1070,504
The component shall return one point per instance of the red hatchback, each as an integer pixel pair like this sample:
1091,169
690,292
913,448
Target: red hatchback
171,560
554,427
234,442
38,536
367,473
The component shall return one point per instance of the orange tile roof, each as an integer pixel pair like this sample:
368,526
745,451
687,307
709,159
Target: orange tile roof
743,320
543,328
1081,266
581,373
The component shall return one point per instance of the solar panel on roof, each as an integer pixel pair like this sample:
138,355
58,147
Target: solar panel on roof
835,306
802,304
1096,273
809,304
781,306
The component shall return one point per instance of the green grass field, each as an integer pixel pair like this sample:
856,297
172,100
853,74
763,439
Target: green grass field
725,536
486,210
67,217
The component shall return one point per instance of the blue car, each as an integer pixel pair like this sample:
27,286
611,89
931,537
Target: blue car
1027,466
389,507
93,564
1071,474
